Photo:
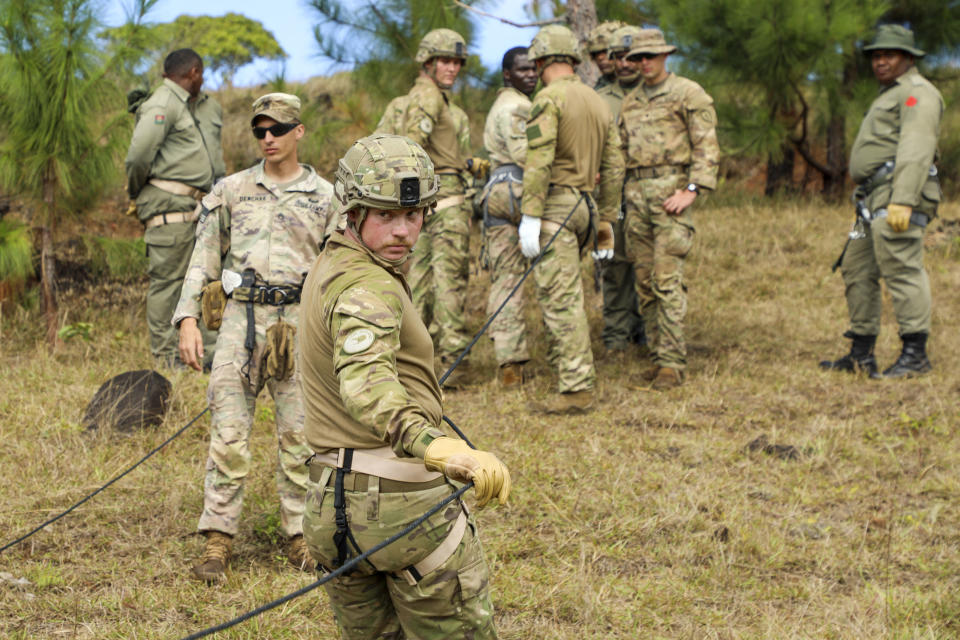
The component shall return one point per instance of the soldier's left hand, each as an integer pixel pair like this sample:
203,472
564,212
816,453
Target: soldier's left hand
680,200
529,232
898,217
479,167
605,242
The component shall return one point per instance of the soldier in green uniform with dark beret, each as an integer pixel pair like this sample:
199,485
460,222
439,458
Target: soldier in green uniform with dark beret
892,162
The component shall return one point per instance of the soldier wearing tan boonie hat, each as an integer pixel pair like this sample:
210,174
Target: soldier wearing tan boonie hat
650,41
282,107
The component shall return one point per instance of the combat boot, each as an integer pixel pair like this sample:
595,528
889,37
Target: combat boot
511,375
913,359
860,358
299,554
216,555
569,403
667,378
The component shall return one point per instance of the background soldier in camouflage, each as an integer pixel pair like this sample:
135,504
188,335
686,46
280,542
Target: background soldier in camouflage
440,268
622,322
892,163
668,128
268,223
598,46
571,138
173,160
373,415
505,139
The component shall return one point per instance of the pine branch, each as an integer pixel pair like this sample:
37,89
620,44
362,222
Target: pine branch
539,23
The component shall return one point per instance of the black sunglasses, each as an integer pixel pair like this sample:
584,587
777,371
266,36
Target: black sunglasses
277,130
642,56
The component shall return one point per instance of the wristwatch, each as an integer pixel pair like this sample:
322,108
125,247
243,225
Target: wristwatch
694,188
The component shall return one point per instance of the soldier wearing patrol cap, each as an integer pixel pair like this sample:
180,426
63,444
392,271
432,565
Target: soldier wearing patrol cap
598,45
571,137
373,416
173,160
440,266
668,128
892,163
259,232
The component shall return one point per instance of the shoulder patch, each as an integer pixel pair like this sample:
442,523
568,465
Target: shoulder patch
159,118
533,132
537,109
911,101
358,341
426,125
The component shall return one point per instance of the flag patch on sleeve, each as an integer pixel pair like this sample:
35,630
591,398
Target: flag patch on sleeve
911,101
159,118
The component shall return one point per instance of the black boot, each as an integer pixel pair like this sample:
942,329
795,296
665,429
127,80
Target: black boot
859,359
913,359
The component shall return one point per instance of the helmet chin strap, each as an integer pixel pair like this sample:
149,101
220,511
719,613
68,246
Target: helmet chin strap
432,74
355,228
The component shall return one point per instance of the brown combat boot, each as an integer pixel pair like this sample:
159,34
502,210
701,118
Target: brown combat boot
667,378
511,375
572,403
299,554
216,555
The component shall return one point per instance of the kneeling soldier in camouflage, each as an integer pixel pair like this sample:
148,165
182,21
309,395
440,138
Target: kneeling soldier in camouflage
259,231
373,411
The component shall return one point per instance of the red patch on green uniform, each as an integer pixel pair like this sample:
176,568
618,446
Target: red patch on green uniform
911,101
159,118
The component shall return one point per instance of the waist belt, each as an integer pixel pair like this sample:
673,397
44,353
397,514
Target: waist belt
450,201
169,218
177,188
276,295
646,173
355,481
381,462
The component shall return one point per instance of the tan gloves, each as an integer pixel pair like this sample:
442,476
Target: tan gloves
898,217
277,360
604,250
132,209
213,301
479,167
455,459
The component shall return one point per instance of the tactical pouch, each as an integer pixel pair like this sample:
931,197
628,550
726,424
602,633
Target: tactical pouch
277,360
212,303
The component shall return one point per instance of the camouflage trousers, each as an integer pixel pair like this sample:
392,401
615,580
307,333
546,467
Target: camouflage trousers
440,269
560,290
621,315
507,266
452,601
232,401
658,243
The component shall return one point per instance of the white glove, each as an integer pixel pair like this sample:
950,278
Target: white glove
605,242
529,236
602,254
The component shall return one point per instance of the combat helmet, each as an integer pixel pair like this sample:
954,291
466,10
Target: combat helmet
554,40
441,42
602,36
385,171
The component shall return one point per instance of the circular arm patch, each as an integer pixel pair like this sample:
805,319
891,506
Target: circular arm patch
358,340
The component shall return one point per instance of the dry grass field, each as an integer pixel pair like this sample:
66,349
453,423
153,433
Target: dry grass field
649,518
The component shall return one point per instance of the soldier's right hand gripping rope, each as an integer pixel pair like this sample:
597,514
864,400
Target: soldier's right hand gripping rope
457,461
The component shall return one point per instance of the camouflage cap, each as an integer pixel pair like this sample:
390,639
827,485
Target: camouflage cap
650,41
441,42
601,36
896,37
281,107
624,37
554,40
385,171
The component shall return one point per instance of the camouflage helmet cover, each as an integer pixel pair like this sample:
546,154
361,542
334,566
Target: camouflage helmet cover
385,171
554,40
441,42
602,36
624,37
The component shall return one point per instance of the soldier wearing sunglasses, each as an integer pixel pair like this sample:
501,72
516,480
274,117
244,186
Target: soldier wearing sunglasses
258,233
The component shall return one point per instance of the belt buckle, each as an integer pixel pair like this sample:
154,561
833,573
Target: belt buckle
275,295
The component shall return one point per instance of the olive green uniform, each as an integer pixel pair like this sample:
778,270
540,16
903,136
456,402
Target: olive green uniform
571,137
669,140
901,126
366,367
178,140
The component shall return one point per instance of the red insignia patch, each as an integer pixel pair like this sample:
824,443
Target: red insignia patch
159,118
911,101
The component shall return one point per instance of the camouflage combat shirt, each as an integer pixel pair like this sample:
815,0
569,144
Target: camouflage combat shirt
902,125
571,137
674,125
366,358
505,131
430,122
248,222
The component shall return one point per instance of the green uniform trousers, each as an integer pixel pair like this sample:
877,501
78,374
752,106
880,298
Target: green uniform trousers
898,259
621,315
169,248
374,602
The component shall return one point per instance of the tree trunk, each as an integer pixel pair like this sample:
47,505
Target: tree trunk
48,263
582,18
780,172
836,156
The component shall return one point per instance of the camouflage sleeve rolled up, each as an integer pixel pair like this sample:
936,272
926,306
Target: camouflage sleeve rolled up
612,170
541,150
213,242
425,102
366,332
701,120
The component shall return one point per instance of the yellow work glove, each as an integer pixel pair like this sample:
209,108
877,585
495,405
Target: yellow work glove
898,217
479,167
455,459
132,209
